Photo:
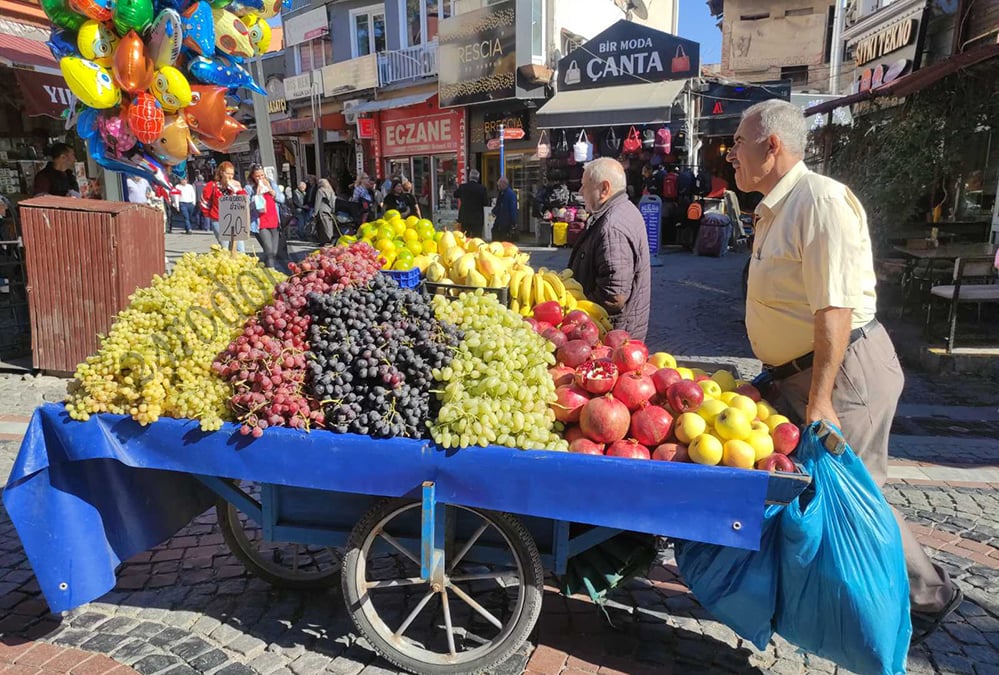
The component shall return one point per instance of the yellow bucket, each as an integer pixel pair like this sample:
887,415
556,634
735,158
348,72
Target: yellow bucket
560,233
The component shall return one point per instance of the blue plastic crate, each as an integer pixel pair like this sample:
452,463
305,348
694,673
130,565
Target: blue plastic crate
405,278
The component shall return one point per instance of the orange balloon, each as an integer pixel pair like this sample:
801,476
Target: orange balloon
206,115
227,136
132,69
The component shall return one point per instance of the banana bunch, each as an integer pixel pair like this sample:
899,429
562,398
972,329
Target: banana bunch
529,288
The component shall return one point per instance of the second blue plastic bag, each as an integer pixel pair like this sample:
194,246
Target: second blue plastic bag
844,590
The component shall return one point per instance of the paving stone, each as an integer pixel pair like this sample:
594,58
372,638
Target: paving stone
267,662
182,669
89,620
132,650
248,645
350,662
120,624
953,663
190,648
209,660
155,663
169,636
235,669
306,664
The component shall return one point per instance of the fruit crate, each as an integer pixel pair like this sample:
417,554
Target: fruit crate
454,290
405,278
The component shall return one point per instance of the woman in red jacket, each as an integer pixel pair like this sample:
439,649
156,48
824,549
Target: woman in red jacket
264,218
224,184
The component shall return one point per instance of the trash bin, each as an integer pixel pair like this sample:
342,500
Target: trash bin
84,257
559,233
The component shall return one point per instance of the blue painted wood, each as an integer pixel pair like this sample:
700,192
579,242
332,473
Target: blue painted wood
561,546
591,538
271,511
234,496
428,524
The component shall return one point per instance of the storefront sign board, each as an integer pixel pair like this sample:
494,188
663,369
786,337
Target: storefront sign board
307,26
629,53
300,86
477,55
651,208
43,94
277,103
404,133
889,51
352,75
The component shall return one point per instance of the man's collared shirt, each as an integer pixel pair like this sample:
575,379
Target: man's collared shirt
812,251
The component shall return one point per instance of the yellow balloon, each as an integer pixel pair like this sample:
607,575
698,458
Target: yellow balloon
90,82
171,89
96,42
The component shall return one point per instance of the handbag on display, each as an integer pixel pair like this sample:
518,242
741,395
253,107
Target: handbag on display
582,148
664,141
610,146
648,139
572,74
561,147
681,62
544,145
633,142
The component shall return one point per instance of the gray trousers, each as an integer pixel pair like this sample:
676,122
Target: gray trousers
270,242
865,396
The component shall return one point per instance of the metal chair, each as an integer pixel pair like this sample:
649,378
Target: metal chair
973,282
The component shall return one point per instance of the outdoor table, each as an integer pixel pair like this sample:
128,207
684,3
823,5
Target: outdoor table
945,253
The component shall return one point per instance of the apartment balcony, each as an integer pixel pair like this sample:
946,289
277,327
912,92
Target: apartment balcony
411,63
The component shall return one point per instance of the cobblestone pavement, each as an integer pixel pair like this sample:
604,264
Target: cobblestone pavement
188,606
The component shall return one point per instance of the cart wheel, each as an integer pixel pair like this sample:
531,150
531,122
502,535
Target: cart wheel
485,610
281,564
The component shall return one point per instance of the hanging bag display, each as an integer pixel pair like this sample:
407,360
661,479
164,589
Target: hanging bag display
544,145
582,150
560,149
681,62
664,141
648,139
633,142
611,144
572,74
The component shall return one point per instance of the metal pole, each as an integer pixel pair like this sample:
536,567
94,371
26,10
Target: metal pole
502,154
317,113
263,118
836,52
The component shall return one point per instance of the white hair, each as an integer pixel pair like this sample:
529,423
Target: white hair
607,169
473,175
784,120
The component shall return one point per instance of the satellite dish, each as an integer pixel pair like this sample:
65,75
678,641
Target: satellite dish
639,8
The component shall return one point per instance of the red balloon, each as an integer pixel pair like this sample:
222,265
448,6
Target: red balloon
145,117
133,70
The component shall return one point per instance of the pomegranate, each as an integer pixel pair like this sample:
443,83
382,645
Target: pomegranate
585,330
573,353
532,323
630,449
555,336
596,377
585,446
684,396
671,452
561,375
664,377
648,369
604,419
616,338
569,403
550,312
574,317
540,326
634,389
601,352
650,425
572,432
630,356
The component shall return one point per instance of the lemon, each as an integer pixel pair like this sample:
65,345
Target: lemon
429,246
415,246
391,214
412,221
410,235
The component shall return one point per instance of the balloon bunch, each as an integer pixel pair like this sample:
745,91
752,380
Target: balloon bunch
153,75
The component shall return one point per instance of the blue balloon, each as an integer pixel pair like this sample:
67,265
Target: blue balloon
243,7
199,28
178,171
222,72
141,165
62,43
86,124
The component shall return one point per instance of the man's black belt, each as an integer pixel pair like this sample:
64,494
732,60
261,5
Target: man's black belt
802,363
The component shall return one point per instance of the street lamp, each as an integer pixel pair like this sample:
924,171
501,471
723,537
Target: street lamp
316,103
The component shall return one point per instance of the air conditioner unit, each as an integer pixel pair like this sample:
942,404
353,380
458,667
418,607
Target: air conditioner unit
348,110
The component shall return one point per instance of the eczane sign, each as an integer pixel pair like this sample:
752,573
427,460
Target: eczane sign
428,134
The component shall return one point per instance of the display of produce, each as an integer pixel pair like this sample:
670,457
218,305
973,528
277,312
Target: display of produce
156,359
266,366
404,244
374,350
497,389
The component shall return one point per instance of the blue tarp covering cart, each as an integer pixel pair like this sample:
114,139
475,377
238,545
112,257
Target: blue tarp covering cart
461,535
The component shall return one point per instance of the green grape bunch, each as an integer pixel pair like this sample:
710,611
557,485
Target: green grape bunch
497,389
156,360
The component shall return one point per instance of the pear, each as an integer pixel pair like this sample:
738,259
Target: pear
464,265
447,242
436,272
497,248
489,264
475,278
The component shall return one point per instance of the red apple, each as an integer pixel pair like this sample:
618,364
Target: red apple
664,377
776,462
549,312
671,452
574,317
750,391
786,438
684,396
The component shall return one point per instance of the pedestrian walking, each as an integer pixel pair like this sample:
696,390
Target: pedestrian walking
505,212
300,209
325,213
611,257
264,219
363,196
139,190
224,184
184,200
57,178
472,199
810,315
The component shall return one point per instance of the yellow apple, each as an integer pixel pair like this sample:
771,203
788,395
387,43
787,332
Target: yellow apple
710,388
705,449
662,360
757,425
727,396
685,373
773,421
745,404
732,423
738,454
762,444
689,426
725,380
698,371
764,410
710,409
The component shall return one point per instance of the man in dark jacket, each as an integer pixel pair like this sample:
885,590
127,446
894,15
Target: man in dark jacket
57,178
611,257
472,199
505,211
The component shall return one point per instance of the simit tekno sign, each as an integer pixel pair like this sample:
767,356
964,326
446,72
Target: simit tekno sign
629,53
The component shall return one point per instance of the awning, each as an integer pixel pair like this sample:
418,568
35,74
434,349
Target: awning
390,103
913,82
646,103
43,94
22,52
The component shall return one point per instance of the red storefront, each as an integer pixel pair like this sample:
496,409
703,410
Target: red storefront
426,144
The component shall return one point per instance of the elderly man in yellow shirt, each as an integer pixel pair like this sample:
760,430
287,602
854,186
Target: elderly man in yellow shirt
810,314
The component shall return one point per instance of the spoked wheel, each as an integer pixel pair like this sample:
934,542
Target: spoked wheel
479,617
282,564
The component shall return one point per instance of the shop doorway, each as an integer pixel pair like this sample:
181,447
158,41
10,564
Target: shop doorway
524,175
434,178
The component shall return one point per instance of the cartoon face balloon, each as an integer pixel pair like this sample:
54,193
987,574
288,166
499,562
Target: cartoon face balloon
145,118
174,143
206,114
231,35
132,15
98,10
260,34
199,28
133,70
171,89
90,82
116,134
61,15
165,38
97,42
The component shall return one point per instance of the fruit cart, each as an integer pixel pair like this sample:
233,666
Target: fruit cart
441,554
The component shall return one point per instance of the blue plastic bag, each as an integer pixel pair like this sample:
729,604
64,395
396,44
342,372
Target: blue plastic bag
738,587
844,590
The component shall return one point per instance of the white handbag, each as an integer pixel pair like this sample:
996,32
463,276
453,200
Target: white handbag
582,149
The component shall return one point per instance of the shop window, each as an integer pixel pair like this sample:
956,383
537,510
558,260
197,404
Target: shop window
797,74
367,34
422,17
314,54
538,31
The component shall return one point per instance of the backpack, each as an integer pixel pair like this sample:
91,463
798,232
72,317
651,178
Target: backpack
695,211
685,183
670,185
663,141
648,139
